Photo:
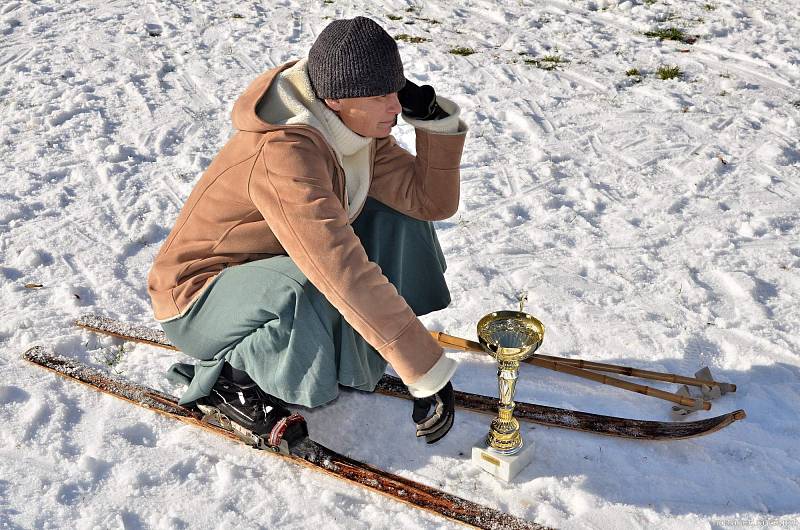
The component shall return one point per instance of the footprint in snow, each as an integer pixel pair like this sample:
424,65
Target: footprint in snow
139,434
12,394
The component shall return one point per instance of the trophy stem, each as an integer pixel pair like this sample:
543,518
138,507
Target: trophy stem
504,436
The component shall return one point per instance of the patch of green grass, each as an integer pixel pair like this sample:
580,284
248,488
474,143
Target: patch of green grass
668,72
408,38
551,62
462,50
649,2
675,34
548,62
633,72
429,20
111,356
237,15
327,1
666,34
394,17
709,7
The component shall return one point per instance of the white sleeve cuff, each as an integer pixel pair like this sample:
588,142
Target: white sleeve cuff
449,125
435,378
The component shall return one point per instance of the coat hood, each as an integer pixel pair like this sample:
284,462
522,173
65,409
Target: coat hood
244,115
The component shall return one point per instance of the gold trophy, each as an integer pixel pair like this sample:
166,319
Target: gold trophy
510,337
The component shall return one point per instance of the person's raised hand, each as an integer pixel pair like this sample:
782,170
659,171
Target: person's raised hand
419,102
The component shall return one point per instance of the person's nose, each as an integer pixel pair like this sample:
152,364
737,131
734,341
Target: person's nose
394,104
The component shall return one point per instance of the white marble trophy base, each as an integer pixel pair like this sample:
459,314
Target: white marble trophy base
504,467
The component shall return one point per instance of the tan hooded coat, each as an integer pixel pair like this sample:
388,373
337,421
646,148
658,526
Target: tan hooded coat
279,189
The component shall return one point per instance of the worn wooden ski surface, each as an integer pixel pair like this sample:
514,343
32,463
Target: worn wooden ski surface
307,452
531,412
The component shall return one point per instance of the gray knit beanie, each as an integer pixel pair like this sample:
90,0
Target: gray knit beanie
354,58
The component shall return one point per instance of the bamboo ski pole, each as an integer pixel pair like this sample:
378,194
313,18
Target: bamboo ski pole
633,372
456,343
619,383
468,345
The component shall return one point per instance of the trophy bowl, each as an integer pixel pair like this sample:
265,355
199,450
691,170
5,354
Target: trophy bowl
510,335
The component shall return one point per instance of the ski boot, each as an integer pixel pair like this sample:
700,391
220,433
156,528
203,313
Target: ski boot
259,419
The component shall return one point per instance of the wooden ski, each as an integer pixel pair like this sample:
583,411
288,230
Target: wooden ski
307,452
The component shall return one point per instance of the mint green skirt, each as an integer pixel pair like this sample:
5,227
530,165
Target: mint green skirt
266,318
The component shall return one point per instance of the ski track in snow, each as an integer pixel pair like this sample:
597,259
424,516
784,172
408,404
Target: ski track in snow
650,223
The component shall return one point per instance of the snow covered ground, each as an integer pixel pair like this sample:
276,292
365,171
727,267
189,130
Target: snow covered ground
650,222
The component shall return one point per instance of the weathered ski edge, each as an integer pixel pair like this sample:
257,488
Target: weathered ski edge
123,330
531,412
308,453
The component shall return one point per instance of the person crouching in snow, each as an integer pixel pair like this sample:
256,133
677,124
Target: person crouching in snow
304,255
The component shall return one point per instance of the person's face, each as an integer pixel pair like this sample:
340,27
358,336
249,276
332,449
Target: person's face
372,117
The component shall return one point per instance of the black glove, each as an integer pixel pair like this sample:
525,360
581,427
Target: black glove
434,414
419,102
